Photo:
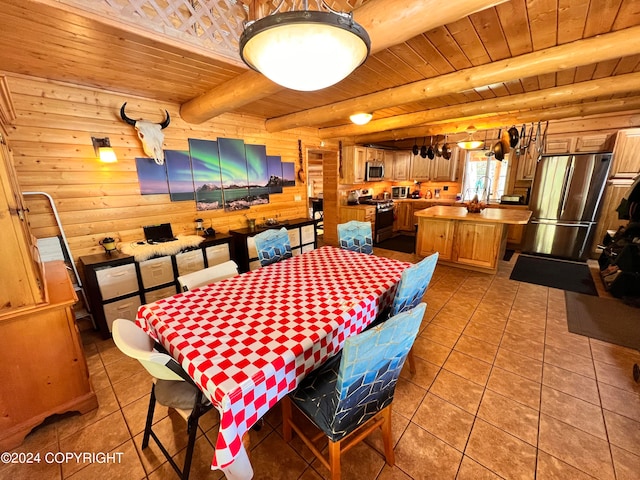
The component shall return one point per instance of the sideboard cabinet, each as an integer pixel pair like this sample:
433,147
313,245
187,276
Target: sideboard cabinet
116,285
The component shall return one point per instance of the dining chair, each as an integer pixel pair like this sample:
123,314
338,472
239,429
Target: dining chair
410,290
273,246
350,395
356,236
172,387
208,275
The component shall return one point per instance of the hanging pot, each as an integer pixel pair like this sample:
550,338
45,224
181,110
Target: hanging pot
415,148
431,151
423,149
514,137
446,151
498,148
522,139
438,148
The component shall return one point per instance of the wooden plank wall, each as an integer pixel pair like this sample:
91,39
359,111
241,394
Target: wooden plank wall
51,144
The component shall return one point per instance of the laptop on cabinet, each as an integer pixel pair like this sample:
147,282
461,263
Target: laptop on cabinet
158,233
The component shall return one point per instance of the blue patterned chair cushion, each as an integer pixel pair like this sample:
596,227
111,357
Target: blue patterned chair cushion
273,246
356,236
413,284
353,386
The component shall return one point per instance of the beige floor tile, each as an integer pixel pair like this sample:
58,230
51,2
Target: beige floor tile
515,387
107,405
618,376
15,469
108,351
430,351
266,465
104,435
126,466
444,420
424,457
500,452
513,417
614,354
472,470
571,383
133,388
627,465
426,373
569,361
407,397
457,390
135,414
551,468
575,447
572,410
569,341
451,322
482,332
522,345
441,335
390,473
492,318
519,364
623,432
468,367
525,329
476,348
620,401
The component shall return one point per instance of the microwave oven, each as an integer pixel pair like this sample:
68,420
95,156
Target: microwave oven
374,171
399,192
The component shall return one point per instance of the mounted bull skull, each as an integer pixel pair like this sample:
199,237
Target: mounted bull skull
150,134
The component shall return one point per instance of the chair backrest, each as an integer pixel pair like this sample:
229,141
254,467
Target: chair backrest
208,275
356,236
413,285
370,366
273,246
135,343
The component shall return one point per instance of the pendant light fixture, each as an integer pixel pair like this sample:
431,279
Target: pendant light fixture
360,118
306,49
470,143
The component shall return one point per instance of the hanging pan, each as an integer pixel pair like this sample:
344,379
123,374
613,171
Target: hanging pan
498,147
446,150
514,136
423,148
415,148
431,153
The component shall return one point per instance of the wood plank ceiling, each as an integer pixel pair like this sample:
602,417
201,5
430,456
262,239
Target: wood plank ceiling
127,52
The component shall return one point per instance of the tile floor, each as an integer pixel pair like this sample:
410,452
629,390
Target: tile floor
502,390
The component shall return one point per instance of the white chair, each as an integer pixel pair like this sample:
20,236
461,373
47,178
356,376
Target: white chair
172,387
208,275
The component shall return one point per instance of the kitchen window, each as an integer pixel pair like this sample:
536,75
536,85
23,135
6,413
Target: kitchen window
484,176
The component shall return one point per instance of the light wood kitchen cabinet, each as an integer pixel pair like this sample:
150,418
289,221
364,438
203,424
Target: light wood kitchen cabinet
477,244
385,157
525,165
440,239
597,142
626,154
404,216
354,159
361,213
438,170
401,165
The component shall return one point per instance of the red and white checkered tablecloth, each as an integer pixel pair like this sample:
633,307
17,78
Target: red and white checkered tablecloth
248,340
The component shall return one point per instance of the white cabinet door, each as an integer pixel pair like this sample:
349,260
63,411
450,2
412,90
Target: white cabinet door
189,262
156,271
117,281
217,254
308,234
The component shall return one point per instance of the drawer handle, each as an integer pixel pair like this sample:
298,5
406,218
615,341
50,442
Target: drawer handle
119,274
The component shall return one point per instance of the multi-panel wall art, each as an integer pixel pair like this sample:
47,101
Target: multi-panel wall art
224,174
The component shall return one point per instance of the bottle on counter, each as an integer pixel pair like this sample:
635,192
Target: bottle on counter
428,194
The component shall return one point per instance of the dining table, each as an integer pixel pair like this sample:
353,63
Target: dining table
250,339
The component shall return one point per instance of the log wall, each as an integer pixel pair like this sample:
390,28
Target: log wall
51,144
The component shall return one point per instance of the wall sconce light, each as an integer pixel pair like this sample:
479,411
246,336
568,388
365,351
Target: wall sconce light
470,143
360,118
103,150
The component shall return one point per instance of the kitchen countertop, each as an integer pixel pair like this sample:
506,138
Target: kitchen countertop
488,215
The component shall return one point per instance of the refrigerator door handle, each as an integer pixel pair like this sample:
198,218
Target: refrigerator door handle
565,187
558,224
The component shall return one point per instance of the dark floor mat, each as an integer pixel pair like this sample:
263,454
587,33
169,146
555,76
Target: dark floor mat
550,272
401,243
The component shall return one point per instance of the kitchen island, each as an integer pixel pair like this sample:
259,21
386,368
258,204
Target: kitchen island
475,241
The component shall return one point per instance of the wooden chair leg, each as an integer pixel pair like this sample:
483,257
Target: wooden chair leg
286,418
387,438
334,459
412,362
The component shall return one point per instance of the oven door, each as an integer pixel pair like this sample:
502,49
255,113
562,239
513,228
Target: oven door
384,224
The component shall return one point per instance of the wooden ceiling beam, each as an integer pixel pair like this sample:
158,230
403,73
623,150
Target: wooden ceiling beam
574,93
604,47
461,125
388,23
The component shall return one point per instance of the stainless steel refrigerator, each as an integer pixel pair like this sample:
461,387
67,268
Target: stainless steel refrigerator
565,200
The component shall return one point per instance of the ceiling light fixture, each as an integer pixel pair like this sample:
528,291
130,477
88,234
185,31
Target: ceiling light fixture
360,118
470,143
305,50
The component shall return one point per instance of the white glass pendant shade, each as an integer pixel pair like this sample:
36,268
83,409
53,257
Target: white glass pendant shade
360,118
304,50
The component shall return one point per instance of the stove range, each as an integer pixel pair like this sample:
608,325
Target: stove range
384,217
